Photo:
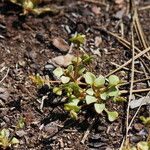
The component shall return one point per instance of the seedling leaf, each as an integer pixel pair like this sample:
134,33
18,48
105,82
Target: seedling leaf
112,115
90,99
64,79
113,80
89,78
90,91
100,81
14,141
99,107
78,39
57,90
58,72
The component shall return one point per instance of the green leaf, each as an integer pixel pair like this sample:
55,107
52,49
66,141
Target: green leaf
76,60
70,68
100,81
73,115
57,90
73,105
5,133
99,107
113,80
113,91
14,141
58,72
21,122
119,99
104,96
86,58
64,79
145,120
90,91
112,115
81,71
90,99
78,39
89,78
143,146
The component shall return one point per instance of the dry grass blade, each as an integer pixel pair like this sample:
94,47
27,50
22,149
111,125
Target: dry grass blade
129,61
125,68
132,77
139,31
144,8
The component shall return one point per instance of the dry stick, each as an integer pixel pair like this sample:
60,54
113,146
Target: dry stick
144,7
132,79
136,91
116,65
97,2
129,61
139,31
135,81
126,43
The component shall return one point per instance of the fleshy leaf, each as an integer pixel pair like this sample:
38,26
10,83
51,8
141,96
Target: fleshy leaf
99,107
112,115
113,91
70,68
64,79
14,141
89,78
90,91
5,133
57,90
73,105
119,99
100,81
90,99
145,120
58,72
104,96
73,115
113,80
81,71
78,39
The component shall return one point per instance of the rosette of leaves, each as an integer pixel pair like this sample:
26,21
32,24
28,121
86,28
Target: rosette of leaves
31,6
5,139
82,87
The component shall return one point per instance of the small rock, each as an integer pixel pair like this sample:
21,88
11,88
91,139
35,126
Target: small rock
4,94
120,14
96,10
51,128
20,133
63,61
61,44
98,41
138,127
50,67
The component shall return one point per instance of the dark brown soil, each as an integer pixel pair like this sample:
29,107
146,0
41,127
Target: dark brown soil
26,47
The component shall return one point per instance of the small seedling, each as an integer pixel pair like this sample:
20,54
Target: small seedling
5,139
83,88
20,123
31,6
